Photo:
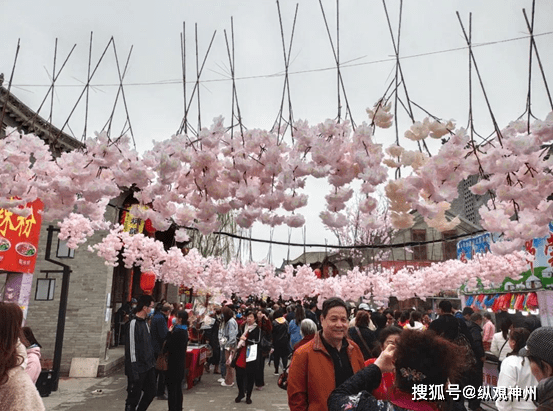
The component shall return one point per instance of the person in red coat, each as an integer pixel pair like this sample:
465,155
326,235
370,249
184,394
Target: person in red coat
325,362
418,359
388,336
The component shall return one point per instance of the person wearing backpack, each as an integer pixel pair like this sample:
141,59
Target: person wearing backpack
281,340
476,376
455,330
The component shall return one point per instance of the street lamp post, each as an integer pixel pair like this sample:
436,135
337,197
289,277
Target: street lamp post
66,271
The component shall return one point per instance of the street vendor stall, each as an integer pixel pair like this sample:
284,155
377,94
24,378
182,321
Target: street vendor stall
526,301
522,308
196,356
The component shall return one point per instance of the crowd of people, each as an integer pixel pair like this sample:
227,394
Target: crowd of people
341,357
386,360
384,350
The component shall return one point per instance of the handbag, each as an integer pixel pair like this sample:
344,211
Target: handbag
464,344
251,353
282,381
265,345
498,361
363,340
251,350
162,358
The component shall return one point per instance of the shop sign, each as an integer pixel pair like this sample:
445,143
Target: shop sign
19,239
131,223
466,249
540,270
490,374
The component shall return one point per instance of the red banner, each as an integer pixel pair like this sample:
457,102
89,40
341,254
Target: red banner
19,239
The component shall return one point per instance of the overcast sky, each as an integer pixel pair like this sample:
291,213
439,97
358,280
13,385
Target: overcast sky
436,78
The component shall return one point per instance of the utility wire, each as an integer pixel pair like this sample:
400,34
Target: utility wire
348,247
282,74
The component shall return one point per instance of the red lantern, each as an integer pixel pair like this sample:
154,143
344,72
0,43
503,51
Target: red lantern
149,227
317,272
147,282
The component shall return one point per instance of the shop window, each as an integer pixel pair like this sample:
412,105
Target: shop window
450,247
420,252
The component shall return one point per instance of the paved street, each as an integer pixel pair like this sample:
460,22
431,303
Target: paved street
76,394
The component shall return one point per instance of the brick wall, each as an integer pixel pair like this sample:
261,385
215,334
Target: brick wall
85,323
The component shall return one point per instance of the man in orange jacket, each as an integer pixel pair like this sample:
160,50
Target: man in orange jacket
325,362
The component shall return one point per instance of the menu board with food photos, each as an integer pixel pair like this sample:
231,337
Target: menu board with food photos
19,236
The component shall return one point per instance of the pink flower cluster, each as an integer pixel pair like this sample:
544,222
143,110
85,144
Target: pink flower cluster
212,275
256,175
514,169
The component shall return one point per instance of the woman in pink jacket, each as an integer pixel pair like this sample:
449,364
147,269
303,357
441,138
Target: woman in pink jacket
33,354
17,391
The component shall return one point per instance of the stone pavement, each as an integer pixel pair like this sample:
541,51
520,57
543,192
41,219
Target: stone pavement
76,394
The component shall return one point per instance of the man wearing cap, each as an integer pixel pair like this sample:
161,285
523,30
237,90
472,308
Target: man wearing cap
364,307
539,350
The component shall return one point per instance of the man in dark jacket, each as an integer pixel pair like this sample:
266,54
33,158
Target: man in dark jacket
475,327
177,342
139,359
311,313
281,340
159,330
450,327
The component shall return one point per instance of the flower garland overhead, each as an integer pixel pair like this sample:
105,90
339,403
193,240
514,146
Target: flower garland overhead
189,182
249,279
262,178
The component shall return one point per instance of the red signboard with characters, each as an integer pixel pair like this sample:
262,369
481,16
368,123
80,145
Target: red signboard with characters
19,239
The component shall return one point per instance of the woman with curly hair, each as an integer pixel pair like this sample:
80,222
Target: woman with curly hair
418,358
17,391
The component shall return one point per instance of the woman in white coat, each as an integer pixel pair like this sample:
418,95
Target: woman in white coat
500,345
516,372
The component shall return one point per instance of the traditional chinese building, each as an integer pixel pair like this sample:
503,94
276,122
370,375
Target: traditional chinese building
94,292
